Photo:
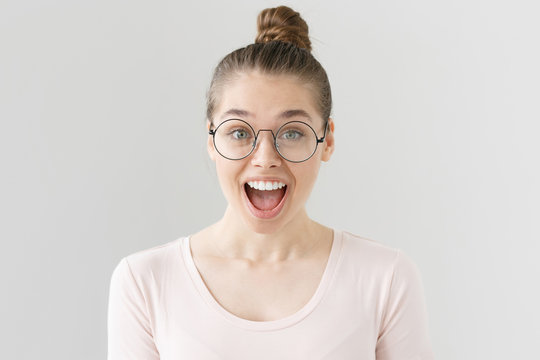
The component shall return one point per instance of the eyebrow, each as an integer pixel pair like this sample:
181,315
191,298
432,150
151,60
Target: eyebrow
236,112
284,115
294,113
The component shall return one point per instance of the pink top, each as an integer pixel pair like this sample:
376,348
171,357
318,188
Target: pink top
369,305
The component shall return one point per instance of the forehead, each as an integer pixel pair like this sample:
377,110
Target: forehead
259,97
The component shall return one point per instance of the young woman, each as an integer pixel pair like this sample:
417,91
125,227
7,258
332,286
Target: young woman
266,281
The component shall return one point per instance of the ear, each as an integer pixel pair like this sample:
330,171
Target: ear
328,141
210,144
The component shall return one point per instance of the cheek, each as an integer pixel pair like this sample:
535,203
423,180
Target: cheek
227,172
222,172
306,177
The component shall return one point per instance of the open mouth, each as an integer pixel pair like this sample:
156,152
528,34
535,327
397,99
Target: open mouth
265,196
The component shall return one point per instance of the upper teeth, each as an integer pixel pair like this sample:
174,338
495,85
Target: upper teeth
266,185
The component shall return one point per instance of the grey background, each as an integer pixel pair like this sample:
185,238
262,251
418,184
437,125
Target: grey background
102,154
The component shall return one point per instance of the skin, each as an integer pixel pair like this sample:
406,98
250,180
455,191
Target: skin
265,269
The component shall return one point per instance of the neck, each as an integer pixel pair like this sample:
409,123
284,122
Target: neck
296,239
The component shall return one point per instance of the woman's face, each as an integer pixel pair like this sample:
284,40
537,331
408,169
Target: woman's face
267,102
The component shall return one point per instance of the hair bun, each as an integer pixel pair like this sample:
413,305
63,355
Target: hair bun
284,24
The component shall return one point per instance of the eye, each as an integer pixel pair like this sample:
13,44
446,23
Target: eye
292,134
239,134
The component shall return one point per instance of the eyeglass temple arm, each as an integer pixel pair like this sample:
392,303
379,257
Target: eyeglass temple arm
324,135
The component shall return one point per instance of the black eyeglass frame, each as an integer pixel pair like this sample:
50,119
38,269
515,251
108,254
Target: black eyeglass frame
276,146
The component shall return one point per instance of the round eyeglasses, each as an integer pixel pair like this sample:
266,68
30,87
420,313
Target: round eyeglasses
295,141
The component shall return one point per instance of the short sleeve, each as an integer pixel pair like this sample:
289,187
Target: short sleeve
128,326
403,334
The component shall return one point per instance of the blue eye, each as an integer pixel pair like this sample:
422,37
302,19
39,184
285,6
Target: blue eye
240,134
292,135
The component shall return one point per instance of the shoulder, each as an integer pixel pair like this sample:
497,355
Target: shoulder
155,256
368,251
373,257
151,263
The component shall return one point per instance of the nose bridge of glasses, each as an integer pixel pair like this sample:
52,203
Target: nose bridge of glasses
271,138
258,136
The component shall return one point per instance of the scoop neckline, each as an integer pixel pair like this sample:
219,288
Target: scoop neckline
277,324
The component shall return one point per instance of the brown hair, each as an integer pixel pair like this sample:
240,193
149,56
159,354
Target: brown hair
282,46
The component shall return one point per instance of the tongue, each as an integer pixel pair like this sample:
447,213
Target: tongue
265,200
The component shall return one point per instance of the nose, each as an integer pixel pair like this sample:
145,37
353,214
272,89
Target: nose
265,154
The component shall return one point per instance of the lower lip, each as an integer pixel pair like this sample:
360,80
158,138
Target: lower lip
265,214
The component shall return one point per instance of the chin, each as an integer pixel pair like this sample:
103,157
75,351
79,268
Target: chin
270,226
264,228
